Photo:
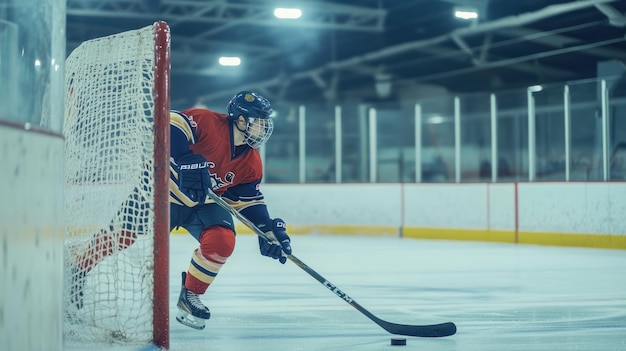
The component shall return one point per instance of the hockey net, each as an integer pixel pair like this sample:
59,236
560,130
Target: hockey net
116,200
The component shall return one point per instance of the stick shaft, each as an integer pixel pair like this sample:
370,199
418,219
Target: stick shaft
435,330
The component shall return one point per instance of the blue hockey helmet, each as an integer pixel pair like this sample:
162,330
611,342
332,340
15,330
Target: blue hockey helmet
257,110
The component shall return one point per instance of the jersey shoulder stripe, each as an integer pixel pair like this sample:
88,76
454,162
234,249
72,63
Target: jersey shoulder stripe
185,124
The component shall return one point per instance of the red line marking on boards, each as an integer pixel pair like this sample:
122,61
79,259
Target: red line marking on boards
488,207
402,211
516,213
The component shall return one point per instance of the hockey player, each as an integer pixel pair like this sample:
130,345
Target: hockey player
208,149
211,149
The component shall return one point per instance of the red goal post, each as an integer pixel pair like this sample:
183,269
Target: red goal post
116,128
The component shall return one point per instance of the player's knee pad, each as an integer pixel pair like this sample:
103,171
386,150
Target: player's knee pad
217,243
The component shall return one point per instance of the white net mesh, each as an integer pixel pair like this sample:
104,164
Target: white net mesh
109,188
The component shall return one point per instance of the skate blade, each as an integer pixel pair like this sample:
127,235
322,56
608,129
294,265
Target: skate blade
190,321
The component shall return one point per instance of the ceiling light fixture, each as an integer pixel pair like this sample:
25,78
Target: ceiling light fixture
287,13
229,61
466,14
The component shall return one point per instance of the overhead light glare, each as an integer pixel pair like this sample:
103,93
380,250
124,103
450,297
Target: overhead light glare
436,119
287,13
466,14
535,88
229,61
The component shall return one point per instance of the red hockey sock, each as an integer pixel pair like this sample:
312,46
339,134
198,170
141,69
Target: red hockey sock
102,245
216,245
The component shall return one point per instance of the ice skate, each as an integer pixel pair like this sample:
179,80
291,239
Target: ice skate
191,311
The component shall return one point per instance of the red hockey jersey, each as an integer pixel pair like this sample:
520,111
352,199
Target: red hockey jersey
237,169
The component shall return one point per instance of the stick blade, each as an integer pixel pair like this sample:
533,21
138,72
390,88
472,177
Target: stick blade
425,331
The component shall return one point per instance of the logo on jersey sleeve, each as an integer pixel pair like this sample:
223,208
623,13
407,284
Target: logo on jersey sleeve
217,182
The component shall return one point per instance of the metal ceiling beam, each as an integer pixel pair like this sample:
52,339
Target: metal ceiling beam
525,67
616,18
516,60
555,40
530,17
183,46
484,49
324,16
486,27
209,45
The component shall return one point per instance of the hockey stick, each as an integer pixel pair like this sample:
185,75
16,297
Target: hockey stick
433,330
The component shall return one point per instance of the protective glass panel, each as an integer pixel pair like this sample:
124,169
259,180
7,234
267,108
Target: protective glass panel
281,151
320,144
550,133
512,136
586,132
617,128
476,138
438,139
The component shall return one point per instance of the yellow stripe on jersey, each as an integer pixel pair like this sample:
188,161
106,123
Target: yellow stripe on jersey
240,205
178,197
181,122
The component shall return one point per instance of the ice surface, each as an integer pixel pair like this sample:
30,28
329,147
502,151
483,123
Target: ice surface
501,296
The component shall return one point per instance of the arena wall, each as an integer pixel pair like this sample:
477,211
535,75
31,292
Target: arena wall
555,213
31,234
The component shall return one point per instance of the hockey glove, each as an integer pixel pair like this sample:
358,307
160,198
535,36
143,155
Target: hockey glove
193,177
280,245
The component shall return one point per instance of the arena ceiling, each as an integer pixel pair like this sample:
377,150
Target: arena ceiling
339,49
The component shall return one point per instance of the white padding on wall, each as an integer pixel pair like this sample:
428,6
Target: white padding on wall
446,205
335,204
501,206
542,207
573,207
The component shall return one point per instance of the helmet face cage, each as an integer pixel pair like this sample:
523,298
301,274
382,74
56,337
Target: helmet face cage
258,131
256,110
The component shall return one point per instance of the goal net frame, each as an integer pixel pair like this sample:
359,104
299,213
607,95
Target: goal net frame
95,78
